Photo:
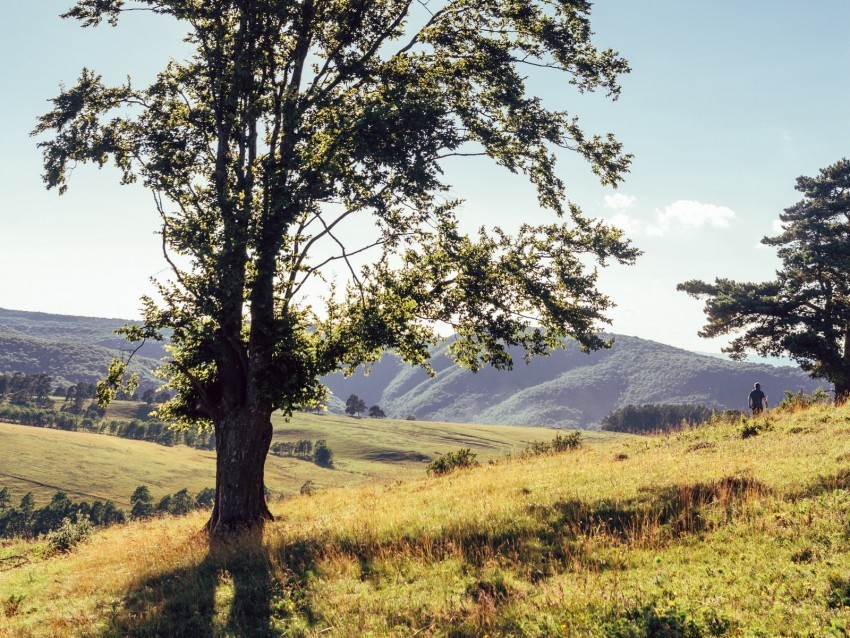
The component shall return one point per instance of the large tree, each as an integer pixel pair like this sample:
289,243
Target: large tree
297,126
805,311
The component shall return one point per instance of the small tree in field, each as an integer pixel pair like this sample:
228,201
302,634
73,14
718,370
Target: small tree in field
322,454
293,123
805,311
354,405
376,412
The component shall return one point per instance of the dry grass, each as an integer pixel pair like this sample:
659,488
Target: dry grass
699,533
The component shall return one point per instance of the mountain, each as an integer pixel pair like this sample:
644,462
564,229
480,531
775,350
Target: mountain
70,349
567,389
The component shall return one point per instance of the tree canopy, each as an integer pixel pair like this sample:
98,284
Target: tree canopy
297,127
805,311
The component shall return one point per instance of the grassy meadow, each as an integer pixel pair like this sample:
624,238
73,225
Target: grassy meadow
706,532
96,466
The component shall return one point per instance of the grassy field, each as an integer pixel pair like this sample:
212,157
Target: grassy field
733,529
89,466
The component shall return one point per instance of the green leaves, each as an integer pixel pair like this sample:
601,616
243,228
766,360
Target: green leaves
294,125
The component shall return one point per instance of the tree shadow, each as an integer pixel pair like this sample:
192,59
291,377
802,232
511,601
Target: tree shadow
229,593
250,589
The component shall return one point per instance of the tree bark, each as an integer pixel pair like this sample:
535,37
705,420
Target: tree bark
242,444
842,385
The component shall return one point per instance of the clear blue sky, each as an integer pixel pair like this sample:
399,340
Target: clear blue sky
728,102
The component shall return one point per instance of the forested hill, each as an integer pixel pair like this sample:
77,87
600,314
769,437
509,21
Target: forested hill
568,388
70,349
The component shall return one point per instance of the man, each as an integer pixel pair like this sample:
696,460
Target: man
758,400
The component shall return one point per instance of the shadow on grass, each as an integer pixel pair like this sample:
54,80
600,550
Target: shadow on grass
252,589
657,513
229,593
824,484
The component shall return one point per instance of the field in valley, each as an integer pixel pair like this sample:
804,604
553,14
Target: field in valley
96,466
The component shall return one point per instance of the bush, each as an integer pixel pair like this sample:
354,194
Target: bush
206,497
802,400
451,461
561,443
308,488
322,454
69,535
754,428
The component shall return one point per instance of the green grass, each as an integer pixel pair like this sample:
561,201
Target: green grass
92,466
695,534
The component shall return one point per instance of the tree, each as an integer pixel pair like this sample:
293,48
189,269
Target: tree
376,412
294,123
182,503
142,502
805,311
322,454
354,405
148,396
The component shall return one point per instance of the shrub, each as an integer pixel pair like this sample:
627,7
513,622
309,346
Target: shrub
802,400
308,488
451,461
565,442
206,497
754,428
561,443
322,454
69,535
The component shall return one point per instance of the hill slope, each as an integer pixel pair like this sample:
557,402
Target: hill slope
96,466
70,349
703,534
568,388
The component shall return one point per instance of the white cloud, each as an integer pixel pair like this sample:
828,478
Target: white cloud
686,214
695,214
778,228
618,201
681,215
630,225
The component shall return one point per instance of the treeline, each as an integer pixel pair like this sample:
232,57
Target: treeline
92,421
663,417
19,388
355,406
28,521
175,504
305,449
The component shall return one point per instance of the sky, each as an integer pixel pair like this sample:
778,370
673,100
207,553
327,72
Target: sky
728,102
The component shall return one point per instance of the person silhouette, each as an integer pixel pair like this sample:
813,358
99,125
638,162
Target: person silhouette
757,400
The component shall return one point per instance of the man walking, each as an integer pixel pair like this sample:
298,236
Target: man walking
758,400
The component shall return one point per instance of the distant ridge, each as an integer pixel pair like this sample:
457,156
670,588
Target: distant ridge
567,389
71,349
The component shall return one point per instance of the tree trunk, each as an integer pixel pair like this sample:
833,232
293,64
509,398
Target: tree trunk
242,444
842,385
842,392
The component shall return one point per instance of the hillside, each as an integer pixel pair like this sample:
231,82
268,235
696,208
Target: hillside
568,388
97,466
69,349
706,533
